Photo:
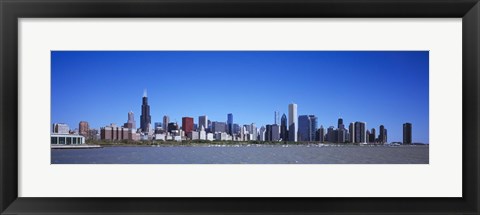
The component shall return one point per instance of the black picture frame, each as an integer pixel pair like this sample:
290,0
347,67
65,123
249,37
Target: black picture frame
12,10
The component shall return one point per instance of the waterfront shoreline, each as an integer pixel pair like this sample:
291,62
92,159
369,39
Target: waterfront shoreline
246,144
247,154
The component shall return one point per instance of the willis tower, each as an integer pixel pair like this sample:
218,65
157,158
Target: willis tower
145,119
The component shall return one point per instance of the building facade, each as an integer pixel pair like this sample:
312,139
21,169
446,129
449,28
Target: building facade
360,132
283,128
61,128
113,132
382,136
219,127
166,120
145,118
187,124
203,121
307,126
351,132
320,134
83,129
130,121
230,124
67,139
275,132
292,120
407,133
172,126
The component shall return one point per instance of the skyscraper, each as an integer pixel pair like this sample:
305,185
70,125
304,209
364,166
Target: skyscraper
331,137
203,121
275,117
292,120
187,124
372,136
303,128
341,135
407,133
321,134
268,133
253,131
219,127
275,132
145,119
131,121
307,126
351,131
262,133
248,129
172,126
382,137
313,127
360,132
166,120
230,123
236,128
283,128
340,123
367,137
83,128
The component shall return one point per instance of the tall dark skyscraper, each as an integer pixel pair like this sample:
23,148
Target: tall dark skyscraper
342,132
145,119
268,133
307,126
172,126
331,137
407,133
382,136
230,124
360,132
275,133
320,134
368,136
303,128
372,136
340,123
283,128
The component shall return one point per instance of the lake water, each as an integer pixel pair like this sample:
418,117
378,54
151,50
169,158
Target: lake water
253,154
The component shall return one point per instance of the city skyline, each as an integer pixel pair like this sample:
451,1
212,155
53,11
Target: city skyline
251,108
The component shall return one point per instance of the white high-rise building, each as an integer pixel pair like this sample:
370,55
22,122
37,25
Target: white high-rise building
292,122
253,131
202,134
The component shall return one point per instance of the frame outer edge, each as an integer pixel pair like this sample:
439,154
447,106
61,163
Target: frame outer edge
471,104
8,105
8,190
2,207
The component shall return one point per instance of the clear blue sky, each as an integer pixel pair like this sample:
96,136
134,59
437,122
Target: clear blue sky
377,87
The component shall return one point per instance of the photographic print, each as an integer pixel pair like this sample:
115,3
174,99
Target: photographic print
239,107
